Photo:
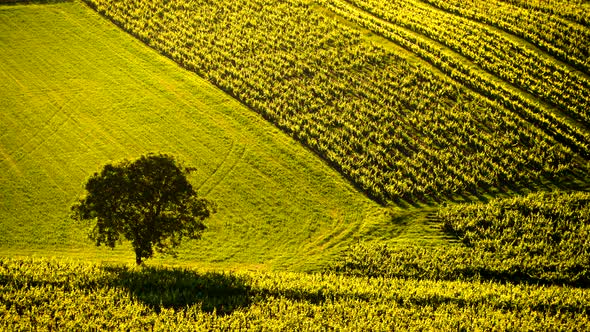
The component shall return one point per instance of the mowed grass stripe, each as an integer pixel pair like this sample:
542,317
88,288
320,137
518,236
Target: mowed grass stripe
77,92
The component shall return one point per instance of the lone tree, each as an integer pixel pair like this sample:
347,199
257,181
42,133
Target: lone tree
149,201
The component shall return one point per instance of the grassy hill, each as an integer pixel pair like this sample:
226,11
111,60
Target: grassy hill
374,95
76,92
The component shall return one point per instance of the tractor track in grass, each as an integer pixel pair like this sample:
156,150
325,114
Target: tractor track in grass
234,156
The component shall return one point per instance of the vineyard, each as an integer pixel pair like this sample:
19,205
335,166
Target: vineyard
506,116
540,238
498,54
66,295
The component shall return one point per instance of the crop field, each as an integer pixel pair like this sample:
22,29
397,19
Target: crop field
540,238
373,288
66,295
502,117
376,164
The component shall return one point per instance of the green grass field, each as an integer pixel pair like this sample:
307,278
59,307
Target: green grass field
76,92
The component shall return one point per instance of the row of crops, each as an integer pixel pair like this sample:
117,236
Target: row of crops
397,130
557,27
450,64
574,10
496,52
538,238
46,294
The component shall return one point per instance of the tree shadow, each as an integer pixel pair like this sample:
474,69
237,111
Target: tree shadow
178,288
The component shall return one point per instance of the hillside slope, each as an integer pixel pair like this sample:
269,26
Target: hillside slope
475,125
76,92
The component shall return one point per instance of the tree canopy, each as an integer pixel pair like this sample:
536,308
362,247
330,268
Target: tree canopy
148,201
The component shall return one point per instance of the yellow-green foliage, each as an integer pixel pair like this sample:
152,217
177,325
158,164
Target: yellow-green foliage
467,73
538,238
575,10
499,54
47,294
397,130
546,232
559,27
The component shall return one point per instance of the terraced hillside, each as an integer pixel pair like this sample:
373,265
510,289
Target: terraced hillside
76,92
450,105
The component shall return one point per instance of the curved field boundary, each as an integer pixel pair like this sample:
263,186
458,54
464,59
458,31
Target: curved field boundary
398,131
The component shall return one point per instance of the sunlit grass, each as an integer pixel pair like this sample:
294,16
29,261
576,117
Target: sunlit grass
76,92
